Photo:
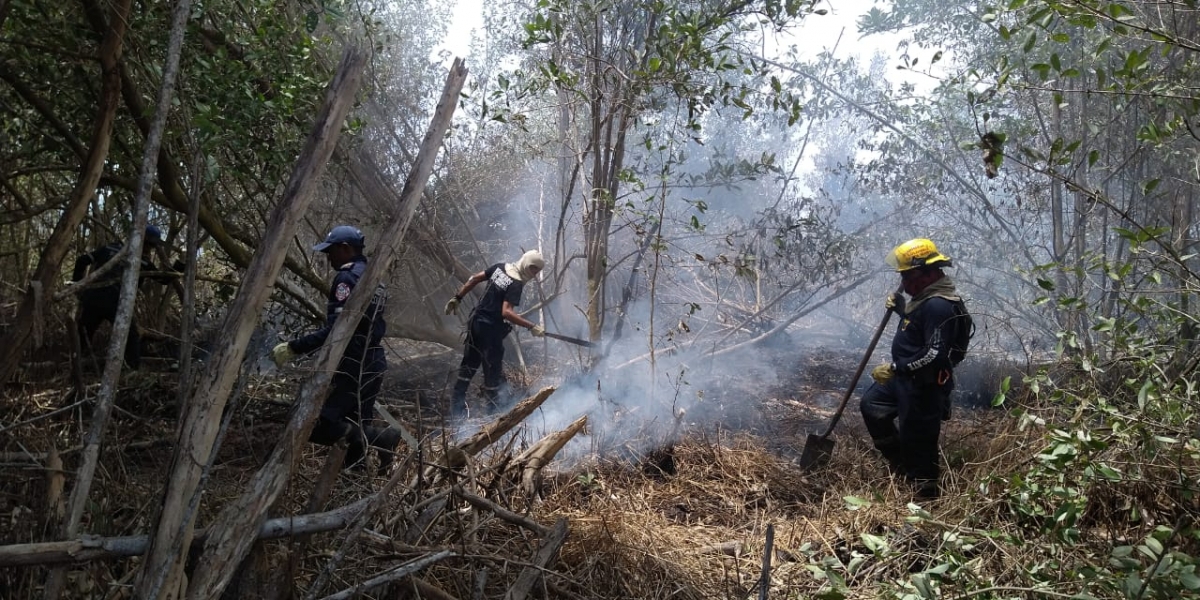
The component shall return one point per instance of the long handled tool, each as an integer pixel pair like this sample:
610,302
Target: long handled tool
818,449
570,340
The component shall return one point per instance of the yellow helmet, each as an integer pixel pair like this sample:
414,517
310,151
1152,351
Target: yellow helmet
917,253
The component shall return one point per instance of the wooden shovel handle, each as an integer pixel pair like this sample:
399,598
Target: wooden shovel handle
862,364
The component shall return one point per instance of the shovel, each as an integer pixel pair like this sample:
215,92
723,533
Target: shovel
818,449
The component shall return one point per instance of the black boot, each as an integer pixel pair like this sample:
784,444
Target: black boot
926,489
385,442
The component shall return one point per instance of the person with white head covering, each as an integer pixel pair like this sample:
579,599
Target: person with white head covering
490,321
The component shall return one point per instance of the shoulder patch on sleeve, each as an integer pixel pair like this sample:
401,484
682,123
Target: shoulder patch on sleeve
342,292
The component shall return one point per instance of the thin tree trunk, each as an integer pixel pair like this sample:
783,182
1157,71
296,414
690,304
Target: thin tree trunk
51,261
232,531
129,286
29,315
172,532
129,280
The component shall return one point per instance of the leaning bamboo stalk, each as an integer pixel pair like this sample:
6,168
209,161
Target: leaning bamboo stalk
232,531
198,426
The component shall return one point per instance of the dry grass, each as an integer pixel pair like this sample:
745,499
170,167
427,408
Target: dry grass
696,531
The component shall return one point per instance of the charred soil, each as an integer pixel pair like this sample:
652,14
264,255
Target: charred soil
681,516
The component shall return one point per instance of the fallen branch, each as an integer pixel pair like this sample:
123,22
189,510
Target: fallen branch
545,555
457,456
501,512
397,573
540,454
89,548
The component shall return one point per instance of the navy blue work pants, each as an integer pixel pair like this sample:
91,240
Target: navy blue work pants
97,306
904,418
484,348
351,403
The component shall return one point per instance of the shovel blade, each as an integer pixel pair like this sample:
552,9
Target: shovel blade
817,452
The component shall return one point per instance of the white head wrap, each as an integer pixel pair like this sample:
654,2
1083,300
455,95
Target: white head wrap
520,269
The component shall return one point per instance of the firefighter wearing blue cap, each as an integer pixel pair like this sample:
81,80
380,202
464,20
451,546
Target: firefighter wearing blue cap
98,302
359,376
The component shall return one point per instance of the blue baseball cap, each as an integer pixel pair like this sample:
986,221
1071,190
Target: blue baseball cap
342,234
154,235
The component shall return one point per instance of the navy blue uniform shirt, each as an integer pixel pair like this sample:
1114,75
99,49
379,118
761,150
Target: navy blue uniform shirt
368,335
922,342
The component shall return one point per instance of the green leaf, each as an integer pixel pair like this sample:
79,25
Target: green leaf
874,543
921,582
941,569
1046,284
1189,580
855,503
830,595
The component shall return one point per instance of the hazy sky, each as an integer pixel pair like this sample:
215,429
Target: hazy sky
819,32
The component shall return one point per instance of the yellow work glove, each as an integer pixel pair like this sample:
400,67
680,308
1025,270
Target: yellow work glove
895,302
883,373
282,354
452,306
537,331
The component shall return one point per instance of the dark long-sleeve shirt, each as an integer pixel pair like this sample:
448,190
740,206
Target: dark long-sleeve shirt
99,257
922,341
368,335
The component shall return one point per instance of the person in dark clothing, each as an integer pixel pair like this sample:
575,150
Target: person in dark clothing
359,377
904,408
490,322
98,304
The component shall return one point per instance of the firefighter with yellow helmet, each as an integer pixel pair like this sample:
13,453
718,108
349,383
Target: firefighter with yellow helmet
910,398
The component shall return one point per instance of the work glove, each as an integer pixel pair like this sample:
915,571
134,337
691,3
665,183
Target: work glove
282,354
452,305
883,373
895,302
537,331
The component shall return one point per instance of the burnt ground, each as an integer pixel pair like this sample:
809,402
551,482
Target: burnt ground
39,414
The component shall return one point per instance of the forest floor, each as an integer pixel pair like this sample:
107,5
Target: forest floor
694,526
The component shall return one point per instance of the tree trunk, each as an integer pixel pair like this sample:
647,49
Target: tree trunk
201,416
45,277
232,531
